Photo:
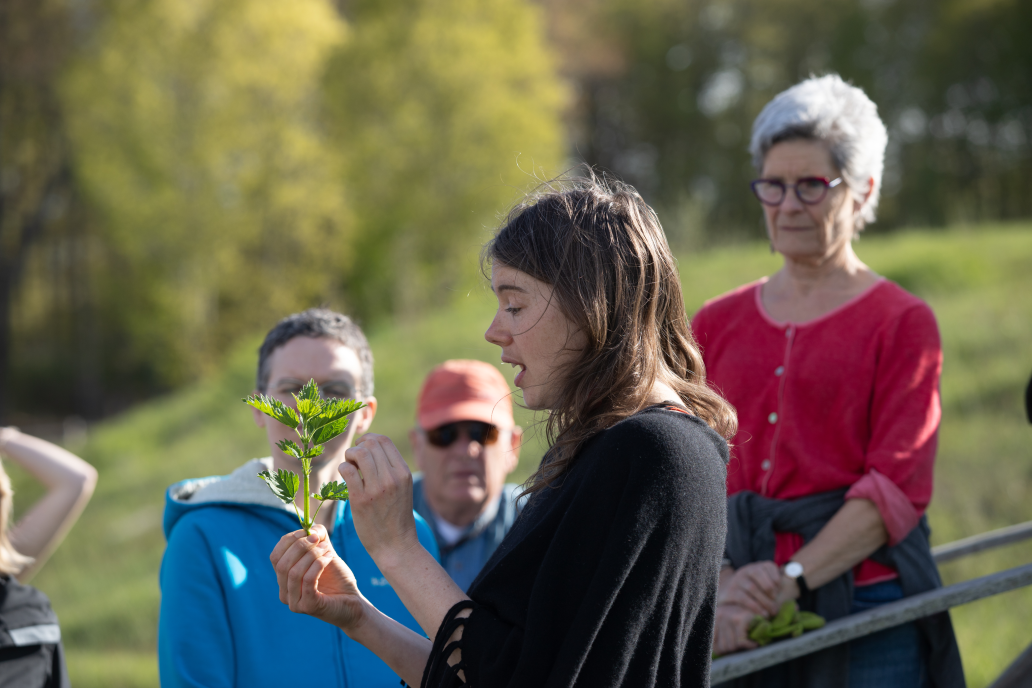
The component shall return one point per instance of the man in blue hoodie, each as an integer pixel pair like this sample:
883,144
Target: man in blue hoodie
221,621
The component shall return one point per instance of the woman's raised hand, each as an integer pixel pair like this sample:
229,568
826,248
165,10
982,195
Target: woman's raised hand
313,580
380,492
754,587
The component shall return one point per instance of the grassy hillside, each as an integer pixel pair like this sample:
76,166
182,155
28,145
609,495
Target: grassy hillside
103,580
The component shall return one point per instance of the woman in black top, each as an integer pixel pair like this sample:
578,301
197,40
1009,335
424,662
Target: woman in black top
609,577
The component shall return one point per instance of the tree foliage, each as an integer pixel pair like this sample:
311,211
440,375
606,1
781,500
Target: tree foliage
673,108
243,159
445,110
188,172
34,171
198,134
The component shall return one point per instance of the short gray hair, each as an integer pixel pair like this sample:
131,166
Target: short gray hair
829,110
318,322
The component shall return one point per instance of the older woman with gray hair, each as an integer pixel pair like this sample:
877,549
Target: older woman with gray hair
834,371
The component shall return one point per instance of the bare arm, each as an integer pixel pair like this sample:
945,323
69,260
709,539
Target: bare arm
381,501
69,482
314,580
852,535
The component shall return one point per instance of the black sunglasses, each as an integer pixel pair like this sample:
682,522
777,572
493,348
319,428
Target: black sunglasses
477,431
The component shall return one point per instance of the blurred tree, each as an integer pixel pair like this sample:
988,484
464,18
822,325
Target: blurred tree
441,109
951,79
964,123
237,160
232,161
34,173
198,138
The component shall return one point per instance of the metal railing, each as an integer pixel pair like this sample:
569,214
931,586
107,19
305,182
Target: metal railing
899,612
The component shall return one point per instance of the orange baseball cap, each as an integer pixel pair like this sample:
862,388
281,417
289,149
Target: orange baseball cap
464,390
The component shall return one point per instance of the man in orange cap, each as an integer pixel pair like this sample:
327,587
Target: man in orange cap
465,445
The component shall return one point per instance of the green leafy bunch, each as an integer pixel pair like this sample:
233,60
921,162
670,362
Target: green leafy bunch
316,421
788,622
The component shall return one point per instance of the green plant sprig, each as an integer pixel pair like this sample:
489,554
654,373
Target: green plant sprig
788,622
316,421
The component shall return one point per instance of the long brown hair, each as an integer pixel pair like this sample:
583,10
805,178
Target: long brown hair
603,251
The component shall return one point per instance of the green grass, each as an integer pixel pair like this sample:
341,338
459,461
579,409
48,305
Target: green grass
103,581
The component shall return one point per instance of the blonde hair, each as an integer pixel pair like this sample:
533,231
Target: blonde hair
12,562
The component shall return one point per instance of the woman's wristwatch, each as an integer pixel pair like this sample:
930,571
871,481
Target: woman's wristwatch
794,570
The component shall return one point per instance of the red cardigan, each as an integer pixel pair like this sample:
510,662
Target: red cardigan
848,399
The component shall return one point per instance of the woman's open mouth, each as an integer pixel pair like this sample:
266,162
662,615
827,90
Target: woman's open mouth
519,375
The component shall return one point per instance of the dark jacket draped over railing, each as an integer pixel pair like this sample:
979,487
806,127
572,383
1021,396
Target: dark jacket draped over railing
752,523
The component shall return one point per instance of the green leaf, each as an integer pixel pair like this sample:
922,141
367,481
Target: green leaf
312,452
283,484
308,409
310,391
333,410
290,447
308,403
273,408
329,431
334,490
810,620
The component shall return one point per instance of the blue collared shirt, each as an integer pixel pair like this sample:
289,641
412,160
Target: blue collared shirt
464,559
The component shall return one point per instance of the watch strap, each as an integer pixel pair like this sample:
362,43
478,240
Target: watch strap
799,578
800,581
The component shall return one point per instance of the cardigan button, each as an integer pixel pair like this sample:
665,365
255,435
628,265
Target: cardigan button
773,418
779,370
765,465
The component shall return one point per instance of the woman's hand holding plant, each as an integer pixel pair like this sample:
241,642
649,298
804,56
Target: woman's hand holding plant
754,587
731,631
744,593
744,619
313,580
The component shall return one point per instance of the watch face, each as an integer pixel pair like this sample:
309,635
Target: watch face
793,569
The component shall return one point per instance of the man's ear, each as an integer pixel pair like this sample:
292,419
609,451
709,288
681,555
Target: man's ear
363,418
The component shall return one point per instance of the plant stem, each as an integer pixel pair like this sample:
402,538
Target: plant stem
306,468
308,524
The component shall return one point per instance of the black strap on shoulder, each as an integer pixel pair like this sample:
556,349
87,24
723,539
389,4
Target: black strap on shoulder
439,673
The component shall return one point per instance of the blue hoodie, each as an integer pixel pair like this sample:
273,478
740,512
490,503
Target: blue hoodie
221,621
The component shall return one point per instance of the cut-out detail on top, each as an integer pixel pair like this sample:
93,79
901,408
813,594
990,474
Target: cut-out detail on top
439,673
